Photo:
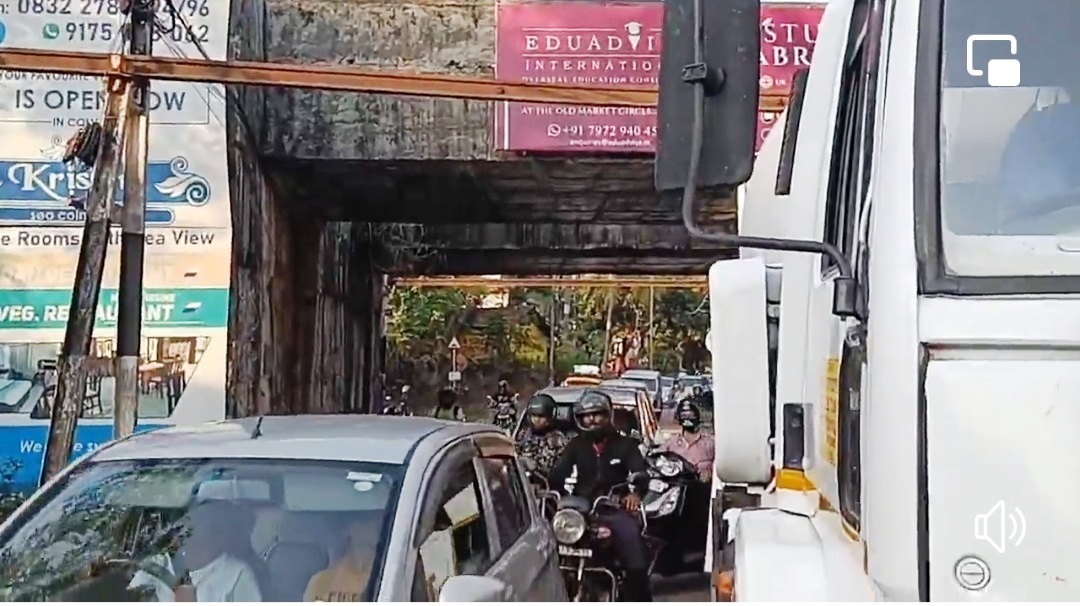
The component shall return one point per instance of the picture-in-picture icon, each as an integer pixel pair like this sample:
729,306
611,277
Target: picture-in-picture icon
999,72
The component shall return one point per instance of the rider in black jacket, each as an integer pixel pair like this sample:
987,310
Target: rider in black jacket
604,458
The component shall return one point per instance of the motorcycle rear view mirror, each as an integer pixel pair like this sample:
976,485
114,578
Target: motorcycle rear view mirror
639,479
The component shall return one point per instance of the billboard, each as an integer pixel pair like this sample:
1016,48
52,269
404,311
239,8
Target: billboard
613,44
188,236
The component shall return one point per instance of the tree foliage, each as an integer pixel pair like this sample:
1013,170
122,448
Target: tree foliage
421,321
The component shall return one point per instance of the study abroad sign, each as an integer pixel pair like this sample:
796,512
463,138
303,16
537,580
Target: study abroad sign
614,44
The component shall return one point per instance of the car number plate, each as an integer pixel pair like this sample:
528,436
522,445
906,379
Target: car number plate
583,552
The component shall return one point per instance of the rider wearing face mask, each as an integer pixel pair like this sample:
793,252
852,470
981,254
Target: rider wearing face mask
604,458
541,441
693,444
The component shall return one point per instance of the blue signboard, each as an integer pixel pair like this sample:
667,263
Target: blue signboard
22,450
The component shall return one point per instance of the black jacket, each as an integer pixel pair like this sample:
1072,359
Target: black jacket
600,465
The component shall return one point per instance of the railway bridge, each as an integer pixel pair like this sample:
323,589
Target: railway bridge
390,186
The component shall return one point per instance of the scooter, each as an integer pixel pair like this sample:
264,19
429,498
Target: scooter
676,506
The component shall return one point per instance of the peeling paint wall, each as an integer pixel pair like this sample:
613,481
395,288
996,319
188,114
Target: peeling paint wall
305,328
447,36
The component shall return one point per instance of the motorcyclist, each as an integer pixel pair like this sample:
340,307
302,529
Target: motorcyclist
541,441
693,444
604,458
399,408
502,405
502,393
446,406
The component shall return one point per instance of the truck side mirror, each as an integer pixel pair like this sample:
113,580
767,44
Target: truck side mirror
710,57
742,416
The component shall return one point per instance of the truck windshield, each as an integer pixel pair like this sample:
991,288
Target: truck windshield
1010,137
218,529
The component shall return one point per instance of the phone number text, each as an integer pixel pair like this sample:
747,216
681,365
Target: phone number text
187,8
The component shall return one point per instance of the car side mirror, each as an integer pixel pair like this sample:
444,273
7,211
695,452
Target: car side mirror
473,588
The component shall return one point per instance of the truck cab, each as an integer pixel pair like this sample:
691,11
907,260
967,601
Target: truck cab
912,449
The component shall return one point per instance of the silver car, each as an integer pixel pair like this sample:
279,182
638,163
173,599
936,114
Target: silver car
312,508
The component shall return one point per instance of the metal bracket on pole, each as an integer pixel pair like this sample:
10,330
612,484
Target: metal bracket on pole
71,370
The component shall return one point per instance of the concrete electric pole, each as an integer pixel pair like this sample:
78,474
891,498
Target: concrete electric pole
133,234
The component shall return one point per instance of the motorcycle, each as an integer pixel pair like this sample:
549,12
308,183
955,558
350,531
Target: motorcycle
504,413
676,507
586,551
401,409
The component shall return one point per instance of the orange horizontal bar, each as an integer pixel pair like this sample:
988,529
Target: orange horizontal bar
324,77
552,281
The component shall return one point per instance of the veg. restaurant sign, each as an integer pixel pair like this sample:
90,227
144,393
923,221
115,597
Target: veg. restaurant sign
612,44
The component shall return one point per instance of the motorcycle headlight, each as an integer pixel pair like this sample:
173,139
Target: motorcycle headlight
657,485
569,526
668,467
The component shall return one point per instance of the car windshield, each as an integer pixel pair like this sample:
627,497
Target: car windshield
203,530
1010,137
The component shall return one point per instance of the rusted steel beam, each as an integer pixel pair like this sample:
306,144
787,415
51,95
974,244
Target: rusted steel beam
325,77
552,281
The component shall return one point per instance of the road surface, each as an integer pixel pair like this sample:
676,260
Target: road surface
684,588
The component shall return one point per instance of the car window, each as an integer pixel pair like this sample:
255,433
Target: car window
459,542
510,506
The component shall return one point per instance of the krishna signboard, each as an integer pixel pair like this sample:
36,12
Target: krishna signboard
612,44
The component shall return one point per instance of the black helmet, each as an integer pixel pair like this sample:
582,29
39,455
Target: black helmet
541,405
688,415
592,401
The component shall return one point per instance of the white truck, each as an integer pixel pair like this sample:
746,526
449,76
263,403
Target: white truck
899,413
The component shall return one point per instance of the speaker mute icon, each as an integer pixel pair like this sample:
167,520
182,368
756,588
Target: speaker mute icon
1001,528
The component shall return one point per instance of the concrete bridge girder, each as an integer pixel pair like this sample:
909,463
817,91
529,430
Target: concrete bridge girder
550,190
552,248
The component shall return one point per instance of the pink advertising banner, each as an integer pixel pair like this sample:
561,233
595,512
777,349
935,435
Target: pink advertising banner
612,44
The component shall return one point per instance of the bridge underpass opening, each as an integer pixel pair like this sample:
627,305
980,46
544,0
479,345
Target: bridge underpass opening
470,332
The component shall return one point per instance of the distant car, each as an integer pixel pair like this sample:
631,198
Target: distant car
652,380
440,509
667,390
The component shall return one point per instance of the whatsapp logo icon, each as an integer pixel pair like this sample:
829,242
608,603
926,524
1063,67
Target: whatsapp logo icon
51,31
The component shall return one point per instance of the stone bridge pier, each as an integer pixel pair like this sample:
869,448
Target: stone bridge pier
332,192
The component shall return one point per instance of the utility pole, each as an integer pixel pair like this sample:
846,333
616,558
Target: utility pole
133,235
652,324
553,325
71,368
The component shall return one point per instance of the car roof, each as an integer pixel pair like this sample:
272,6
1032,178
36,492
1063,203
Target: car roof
344,437
640,372
570,394
630,383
